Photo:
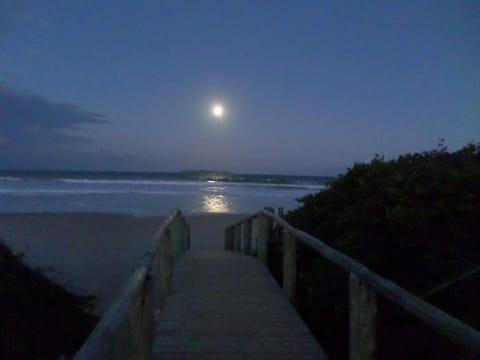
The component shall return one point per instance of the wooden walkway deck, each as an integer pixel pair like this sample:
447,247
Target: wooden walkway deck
226,305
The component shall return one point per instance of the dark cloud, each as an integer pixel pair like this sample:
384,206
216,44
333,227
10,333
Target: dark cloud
25,110
34,129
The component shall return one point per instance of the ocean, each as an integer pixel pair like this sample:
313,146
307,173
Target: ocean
144,194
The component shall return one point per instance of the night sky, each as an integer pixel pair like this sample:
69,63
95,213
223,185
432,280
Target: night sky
307,87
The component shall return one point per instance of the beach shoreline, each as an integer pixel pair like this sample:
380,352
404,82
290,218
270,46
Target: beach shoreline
93,253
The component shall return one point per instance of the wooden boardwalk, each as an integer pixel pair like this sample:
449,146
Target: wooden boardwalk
226,305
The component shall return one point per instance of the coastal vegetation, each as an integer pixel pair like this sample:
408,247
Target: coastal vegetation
39,319
413,220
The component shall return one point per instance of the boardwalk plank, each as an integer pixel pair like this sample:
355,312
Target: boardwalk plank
226,305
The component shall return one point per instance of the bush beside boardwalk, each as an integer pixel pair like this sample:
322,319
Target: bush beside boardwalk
38,318
414,220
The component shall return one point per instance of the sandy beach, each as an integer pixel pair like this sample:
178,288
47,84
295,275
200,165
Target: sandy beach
94,252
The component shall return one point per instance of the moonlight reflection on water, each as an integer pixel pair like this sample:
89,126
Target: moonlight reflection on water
215,203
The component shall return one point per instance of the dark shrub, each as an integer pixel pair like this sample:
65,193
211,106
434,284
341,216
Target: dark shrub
413,220
38,318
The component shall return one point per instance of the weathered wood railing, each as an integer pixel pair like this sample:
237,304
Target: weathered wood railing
125,330
364,285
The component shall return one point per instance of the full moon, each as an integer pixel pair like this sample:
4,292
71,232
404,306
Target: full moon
217,110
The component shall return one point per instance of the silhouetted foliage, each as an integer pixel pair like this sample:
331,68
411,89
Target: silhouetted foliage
414,220
38,318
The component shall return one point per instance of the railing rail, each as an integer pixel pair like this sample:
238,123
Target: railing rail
125,331
364,285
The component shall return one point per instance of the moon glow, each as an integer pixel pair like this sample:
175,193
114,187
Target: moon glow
217,110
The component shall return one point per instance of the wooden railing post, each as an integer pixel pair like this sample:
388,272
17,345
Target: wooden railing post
265,226
363,311
255,228
289,265
226,238
184,235
237,238
164,266
176,233
148,316
137,341
270,209
231,240
247,237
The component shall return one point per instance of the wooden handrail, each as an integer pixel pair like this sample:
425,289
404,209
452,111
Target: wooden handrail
125,330
363,283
